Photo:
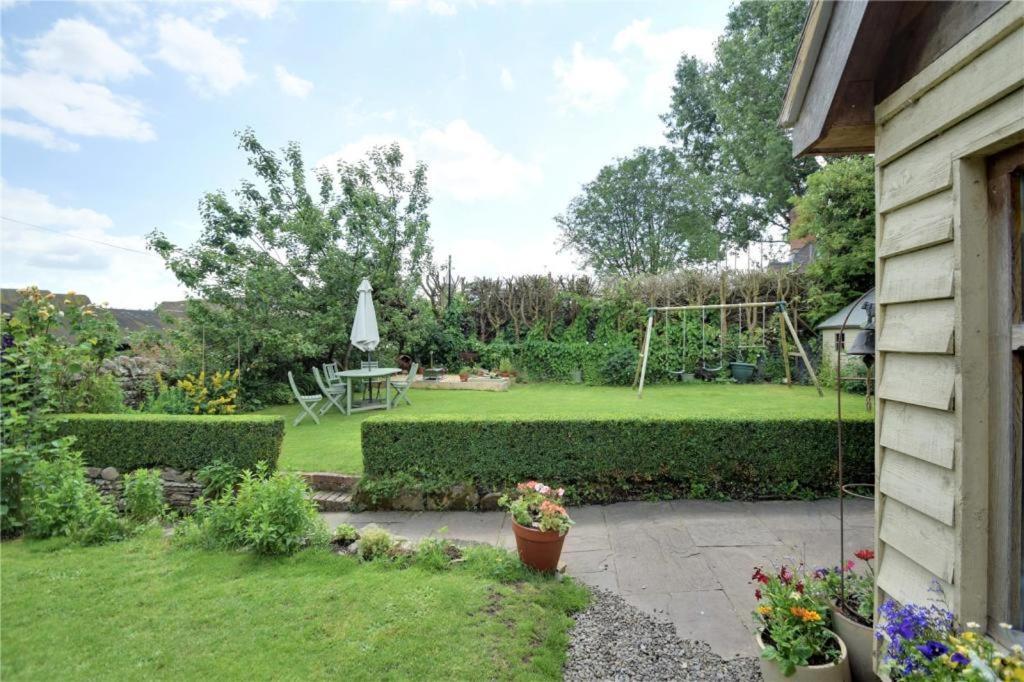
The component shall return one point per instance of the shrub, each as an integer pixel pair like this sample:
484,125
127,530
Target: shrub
277,514
436,554
375,543
269,514
59,502
167,400
219,477
606,458
619,367
144,495
136,441
345,534
211,394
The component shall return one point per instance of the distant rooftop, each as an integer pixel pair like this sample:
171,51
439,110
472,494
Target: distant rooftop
128,320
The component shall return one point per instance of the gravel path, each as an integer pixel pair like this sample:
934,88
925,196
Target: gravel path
613,640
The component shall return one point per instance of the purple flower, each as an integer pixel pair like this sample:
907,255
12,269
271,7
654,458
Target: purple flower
959,658
820,573
931,649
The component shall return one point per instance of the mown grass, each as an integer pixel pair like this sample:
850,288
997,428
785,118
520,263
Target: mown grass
144,610
335,444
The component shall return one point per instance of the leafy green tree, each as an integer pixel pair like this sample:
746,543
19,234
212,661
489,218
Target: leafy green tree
838,210
274,274
723,118
643,214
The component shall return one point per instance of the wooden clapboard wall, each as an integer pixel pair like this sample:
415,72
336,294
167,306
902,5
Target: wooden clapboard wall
931,454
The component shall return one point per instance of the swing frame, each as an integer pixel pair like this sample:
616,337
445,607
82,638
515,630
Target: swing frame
780,306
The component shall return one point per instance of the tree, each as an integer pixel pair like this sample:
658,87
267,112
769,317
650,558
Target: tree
643,214
838,210
723,118
273,277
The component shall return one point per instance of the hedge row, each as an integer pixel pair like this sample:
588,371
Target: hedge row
603,458
183,442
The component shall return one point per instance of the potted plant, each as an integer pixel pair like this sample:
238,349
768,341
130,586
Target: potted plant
464,374
539,522
505,368
793,635
851,595
926,643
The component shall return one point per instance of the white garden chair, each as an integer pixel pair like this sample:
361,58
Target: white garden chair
401,386
333,393
308,403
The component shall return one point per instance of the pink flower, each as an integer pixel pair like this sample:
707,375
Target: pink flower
560,492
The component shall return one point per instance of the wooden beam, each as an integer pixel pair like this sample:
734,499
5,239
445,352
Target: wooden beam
647,352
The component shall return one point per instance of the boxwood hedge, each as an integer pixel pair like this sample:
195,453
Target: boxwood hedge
612,458
183,442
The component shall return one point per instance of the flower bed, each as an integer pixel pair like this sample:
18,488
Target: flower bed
602,459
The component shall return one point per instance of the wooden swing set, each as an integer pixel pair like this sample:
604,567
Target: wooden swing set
785,325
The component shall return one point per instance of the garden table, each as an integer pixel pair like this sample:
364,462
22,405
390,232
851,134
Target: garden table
369,374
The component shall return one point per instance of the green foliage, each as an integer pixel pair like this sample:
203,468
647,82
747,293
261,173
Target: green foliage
838,210
275,272
51,353
494,563
435,554
59,502
186,443
606,458
793,621
619,367
270,515
375,543
215,393
144,495
167,400
643,214
345,534
219,477
723,119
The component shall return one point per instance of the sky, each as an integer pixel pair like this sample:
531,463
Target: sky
118,117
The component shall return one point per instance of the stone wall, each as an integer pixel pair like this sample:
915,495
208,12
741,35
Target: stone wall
181,488
135,375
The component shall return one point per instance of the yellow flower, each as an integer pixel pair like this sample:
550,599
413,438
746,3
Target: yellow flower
764,609
969,636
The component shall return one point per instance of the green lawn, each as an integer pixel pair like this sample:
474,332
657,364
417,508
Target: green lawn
335,444
140,610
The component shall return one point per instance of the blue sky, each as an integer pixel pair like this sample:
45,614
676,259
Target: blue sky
117,117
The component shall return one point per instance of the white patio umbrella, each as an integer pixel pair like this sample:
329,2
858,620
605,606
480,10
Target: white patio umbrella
365,335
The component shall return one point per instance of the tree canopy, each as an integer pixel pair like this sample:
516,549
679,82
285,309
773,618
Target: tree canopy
273,275
644,214
838,210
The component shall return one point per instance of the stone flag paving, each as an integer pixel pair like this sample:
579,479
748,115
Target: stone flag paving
690,560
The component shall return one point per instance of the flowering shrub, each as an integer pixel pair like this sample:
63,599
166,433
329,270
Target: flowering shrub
925,643
536,505
213,394
833,584
793,621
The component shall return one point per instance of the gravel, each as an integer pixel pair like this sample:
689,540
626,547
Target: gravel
613,640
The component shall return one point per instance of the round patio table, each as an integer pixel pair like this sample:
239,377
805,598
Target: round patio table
368,375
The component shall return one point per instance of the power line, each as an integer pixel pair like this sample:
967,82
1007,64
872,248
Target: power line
75,236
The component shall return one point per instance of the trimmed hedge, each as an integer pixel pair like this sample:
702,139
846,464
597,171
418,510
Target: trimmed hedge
183,442
612,458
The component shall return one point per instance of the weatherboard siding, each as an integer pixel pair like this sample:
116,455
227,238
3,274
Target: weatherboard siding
931,449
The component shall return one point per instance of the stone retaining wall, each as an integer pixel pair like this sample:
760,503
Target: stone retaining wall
181,488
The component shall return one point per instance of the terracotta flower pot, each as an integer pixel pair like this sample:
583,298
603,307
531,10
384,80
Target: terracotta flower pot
504,375
859,640
463,377
538,549
829,672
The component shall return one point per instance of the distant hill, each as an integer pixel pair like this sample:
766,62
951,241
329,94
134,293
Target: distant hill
129,320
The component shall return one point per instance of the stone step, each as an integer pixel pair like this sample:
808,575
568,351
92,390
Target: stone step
330,482
327,501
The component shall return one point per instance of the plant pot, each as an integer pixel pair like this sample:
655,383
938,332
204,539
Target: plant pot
859,640
463,378
505,375
830,672
742,371
538,549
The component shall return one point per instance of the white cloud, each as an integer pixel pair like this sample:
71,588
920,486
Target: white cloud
440,7
461,162
291,84
661,52
211,65
588,83
508,83
39,134
76,108
264,9
103,272
74,47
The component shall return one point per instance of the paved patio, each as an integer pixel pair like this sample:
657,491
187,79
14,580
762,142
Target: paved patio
690,559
